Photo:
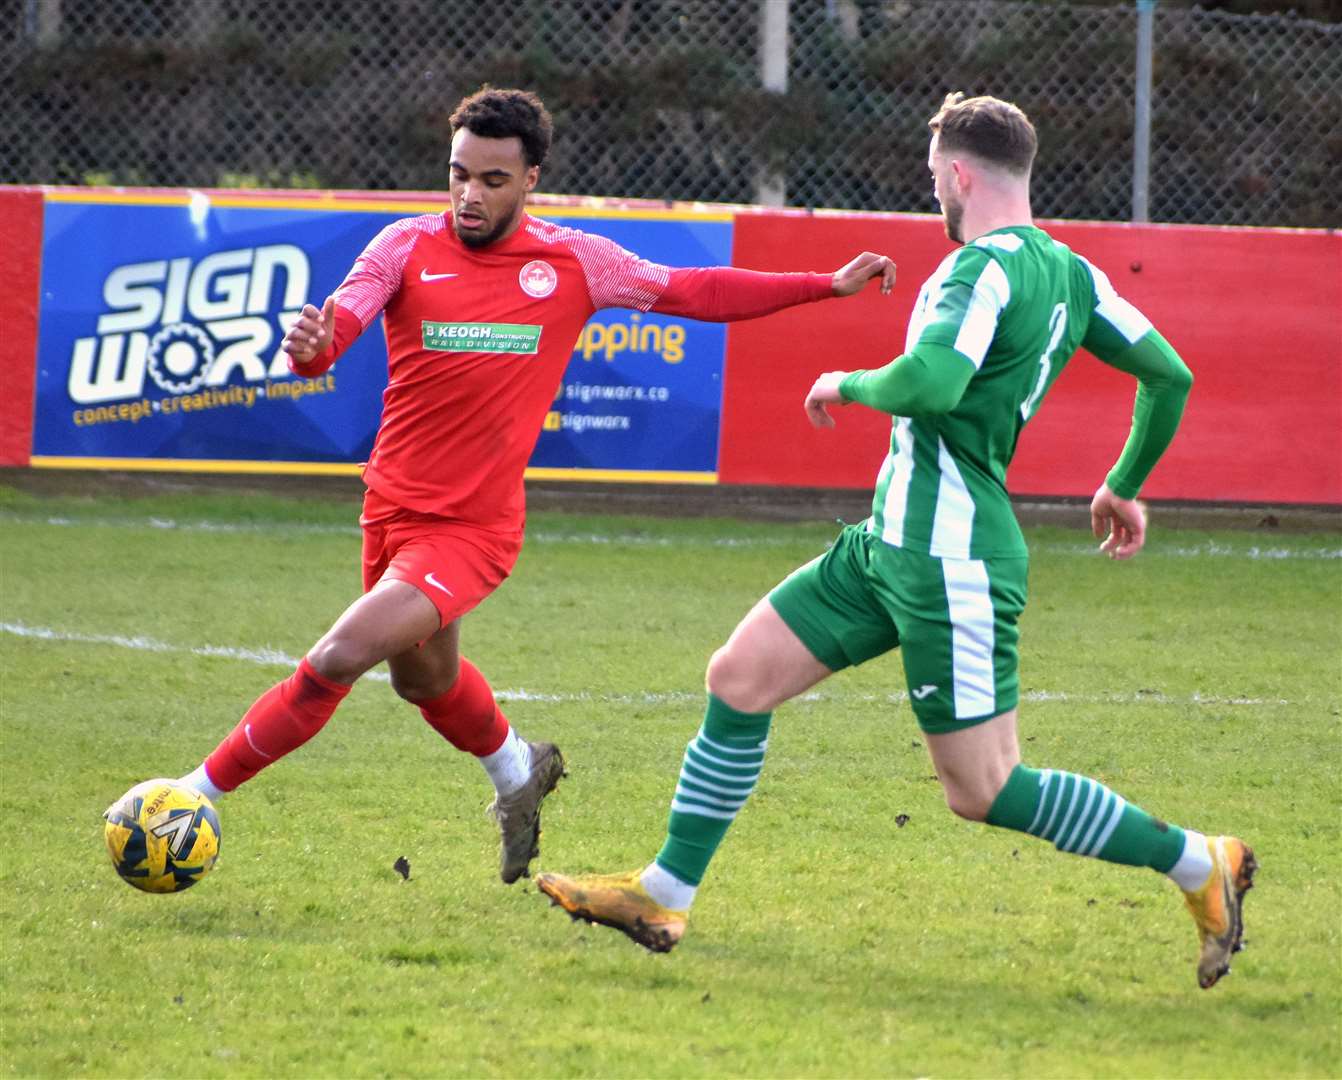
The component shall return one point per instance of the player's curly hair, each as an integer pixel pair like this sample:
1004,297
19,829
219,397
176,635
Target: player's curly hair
989,128
501,114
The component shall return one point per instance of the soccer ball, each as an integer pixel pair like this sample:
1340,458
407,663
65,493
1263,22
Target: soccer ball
162,836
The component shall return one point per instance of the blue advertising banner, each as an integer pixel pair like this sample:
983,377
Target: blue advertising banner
642,387
161,322
160,328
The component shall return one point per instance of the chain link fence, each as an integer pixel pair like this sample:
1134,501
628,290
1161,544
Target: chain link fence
664,98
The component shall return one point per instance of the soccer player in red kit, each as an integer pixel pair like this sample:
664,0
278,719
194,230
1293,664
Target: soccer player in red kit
482,310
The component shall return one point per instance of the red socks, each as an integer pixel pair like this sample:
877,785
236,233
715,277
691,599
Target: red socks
282,719
467,715
290,713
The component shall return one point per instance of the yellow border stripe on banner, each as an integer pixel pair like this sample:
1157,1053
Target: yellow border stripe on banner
272,468
623,476
340,468
391,206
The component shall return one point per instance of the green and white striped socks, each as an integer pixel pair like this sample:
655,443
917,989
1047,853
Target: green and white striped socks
1079,815
721,767
1082,816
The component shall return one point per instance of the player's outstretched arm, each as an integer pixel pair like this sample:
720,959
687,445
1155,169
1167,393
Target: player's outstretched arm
853,276
1120,523
312,333
729,293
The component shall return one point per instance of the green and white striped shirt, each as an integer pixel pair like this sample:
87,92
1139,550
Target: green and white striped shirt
1016,304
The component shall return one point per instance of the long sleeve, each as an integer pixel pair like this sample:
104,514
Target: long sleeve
1164,384
727,293
370,284
616,277
1122,337
928,381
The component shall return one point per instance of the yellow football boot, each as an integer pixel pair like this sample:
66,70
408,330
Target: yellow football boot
1217,906
620,902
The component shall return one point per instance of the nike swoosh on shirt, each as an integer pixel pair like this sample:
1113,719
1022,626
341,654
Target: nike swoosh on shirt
434,581
424,275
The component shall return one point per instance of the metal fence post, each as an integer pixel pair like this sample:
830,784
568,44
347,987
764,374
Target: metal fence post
42,25
846,15
1141,131
773,46
42,22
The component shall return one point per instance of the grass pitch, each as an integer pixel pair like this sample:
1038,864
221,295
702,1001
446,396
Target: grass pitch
851,926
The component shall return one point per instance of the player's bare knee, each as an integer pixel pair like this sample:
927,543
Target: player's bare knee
720,673
423,685
966,807
736,682
967,802
340,659
411,689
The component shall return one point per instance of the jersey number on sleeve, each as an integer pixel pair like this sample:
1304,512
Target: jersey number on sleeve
1057,324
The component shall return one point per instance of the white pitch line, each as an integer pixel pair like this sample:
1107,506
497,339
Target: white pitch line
275,658
1211,549
171,525
270,657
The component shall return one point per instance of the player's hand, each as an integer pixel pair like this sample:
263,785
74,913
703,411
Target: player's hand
824,393
312,333
1120,523
850,278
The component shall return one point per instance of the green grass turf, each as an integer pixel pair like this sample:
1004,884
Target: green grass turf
1201,681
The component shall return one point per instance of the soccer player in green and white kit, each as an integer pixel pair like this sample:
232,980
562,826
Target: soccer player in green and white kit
939,569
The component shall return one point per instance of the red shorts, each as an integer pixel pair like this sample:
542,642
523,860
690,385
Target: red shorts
455,565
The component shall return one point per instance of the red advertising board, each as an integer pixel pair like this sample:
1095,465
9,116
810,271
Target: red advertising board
1256,313
21,241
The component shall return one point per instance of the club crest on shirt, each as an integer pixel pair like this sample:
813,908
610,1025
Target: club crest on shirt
538,279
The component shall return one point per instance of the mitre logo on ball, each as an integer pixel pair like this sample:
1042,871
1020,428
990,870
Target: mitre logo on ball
162,836
538,278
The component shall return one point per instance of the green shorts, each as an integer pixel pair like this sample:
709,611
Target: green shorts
954,620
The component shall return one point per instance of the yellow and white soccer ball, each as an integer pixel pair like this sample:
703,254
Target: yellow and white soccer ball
162,836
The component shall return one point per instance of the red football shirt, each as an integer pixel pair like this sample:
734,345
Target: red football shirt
478,340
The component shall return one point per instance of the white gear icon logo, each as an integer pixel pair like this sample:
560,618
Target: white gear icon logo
179,358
